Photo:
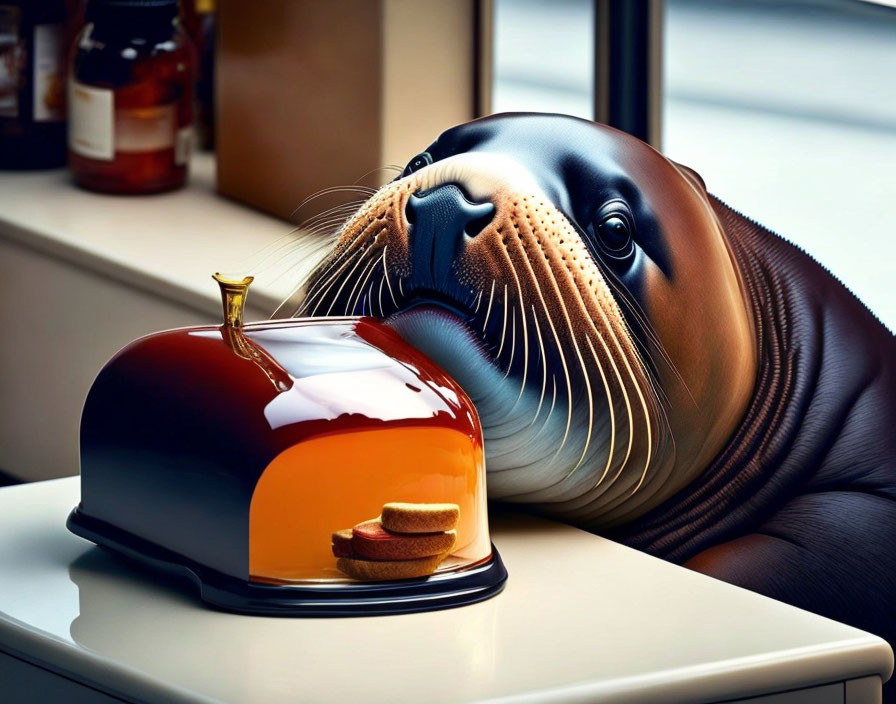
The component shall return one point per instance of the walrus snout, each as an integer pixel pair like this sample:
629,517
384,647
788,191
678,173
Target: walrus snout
440,221
546,282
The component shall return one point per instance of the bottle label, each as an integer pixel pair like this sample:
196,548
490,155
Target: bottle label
148,129
49,85
183,146
12,60
91,124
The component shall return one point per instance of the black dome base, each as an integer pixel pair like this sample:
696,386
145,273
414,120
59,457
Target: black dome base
440,591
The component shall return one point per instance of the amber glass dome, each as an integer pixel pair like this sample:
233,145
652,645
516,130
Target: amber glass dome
233,454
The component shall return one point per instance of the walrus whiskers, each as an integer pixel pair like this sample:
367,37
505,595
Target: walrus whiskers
612,411
474,295
522,303
314,251
525,352
566,317
358,286
366,191
650,333
565,376
352,271
341,257
503,324
345,280
559,348
624,354
379,296
551,409
478,302
283,248
610,356
362,280
367,301
309,250
640,397
488,310
331,225
590,398
388,282
355,259
628,409
310,229
544,365
512,341
644,407
333,270
335,215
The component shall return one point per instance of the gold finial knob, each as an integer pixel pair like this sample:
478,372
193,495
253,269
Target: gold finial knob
233,295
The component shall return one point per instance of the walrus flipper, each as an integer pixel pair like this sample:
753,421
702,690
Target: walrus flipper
828,552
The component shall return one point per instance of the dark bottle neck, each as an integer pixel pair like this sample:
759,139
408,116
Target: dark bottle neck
121,22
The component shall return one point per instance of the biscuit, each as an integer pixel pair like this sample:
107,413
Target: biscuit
342,543
388,570
419,518
370,540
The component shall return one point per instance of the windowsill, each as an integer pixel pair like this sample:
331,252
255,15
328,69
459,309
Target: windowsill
168,244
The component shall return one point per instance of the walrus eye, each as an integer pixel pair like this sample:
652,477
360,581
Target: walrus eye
417,163
615,235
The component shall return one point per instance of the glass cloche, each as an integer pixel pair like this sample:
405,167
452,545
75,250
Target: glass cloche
303,466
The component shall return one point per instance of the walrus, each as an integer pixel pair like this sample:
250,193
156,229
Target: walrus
647,363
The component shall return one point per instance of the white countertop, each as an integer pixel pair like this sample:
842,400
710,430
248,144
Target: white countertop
168,243
581,619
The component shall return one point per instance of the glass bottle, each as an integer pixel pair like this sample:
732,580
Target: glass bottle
131,98
32,84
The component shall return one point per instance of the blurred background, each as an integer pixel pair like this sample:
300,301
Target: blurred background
190,144
786,108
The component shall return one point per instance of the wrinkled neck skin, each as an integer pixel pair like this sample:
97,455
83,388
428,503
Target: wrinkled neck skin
821,414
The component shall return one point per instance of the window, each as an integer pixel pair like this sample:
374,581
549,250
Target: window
787,109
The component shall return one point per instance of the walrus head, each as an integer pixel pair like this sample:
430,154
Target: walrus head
579,287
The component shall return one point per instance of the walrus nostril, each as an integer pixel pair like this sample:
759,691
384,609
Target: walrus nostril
451,206
441,219
474,227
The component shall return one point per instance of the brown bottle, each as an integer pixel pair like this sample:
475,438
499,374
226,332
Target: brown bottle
131,98
32,84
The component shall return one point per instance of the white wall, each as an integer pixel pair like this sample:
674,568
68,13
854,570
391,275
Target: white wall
60,324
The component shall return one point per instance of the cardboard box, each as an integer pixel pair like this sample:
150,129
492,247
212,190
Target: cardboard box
312,95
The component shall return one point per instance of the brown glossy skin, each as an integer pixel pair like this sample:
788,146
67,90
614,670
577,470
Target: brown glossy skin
701,315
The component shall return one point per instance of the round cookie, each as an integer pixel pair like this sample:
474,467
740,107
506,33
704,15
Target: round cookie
342,543
372,541
388,570
419,518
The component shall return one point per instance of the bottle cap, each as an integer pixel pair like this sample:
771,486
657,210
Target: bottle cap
129,12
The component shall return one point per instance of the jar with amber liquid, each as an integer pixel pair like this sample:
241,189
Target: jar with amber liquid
131,98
